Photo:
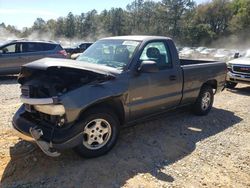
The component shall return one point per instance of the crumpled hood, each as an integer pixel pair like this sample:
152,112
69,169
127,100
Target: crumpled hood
240,61
45,63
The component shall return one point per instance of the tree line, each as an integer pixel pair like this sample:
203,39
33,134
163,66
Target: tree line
183,20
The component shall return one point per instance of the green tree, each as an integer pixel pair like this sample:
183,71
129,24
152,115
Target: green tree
216,14
135,10
90,24
241,19
173,12
40,26
59,29
183,20
70,25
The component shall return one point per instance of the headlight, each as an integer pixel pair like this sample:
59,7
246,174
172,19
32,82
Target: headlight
50,109
229,65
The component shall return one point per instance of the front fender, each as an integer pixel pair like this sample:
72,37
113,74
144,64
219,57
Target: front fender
79,99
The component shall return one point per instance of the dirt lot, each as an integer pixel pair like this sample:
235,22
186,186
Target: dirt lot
177,150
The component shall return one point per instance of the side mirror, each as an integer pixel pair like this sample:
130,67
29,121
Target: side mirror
148,67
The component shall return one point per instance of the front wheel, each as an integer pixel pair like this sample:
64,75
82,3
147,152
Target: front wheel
204,102
100,132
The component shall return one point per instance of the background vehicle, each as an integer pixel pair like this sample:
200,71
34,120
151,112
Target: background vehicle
117,81
199,49
238,71
187,52
207,52
226,55
15,53
74,56
79,48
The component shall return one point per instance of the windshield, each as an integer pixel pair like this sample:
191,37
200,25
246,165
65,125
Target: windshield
113,53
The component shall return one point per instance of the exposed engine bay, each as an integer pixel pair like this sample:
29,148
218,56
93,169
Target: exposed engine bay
55,81
41,88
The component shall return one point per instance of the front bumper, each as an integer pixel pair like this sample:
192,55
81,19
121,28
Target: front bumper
238,78
58,138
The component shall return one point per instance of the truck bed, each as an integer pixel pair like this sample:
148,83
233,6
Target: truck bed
197,72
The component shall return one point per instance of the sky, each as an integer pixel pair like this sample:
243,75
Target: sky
23,13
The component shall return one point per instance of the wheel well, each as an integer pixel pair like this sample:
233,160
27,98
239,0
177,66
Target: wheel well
115,104
211,83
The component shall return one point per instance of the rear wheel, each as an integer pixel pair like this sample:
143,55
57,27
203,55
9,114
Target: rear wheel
100,132
230,85
204,101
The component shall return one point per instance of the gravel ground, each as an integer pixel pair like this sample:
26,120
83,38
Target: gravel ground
177,150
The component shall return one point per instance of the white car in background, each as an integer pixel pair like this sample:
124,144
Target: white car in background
199,49
238,70
186,52
208,52
225,55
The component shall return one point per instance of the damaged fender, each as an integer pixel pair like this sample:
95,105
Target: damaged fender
80,99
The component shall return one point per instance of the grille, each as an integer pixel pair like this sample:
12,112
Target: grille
26,91
241,69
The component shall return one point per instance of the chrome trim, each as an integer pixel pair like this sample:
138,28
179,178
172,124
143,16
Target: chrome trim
23,136
51,109
237,77
241,66
34,101
43,145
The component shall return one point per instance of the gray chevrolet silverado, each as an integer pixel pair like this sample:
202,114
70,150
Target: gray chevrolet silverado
118,81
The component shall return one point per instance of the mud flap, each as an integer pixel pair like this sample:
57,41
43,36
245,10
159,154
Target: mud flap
44,146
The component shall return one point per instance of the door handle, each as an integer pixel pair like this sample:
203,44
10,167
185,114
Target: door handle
172,77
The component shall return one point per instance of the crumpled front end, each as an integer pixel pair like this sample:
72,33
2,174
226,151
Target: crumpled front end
45,117
49,137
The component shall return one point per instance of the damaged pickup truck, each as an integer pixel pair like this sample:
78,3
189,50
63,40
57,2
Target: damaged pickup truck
117,81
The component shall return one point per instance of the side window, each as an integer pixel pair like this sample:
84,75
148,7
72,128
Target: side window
47,47
12,48
83,46
36,47
31,47
88,45
157,51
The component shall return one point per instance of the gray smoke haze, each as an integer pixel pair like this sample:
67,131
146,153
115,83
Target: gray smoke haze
49,36
240,42
6,35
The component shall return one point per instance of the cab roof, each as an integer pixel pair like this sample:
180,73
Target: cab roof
137,37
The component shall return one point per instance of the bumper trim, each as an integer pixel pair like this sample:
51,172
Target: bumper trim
33,101
65,138
238,78
44,146
23,136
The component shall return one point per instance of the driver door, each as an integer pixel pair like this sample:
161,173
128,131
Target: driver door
157,91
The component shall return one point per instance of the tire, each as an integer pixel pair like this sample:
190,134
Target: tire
100,132
230,85
204,102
